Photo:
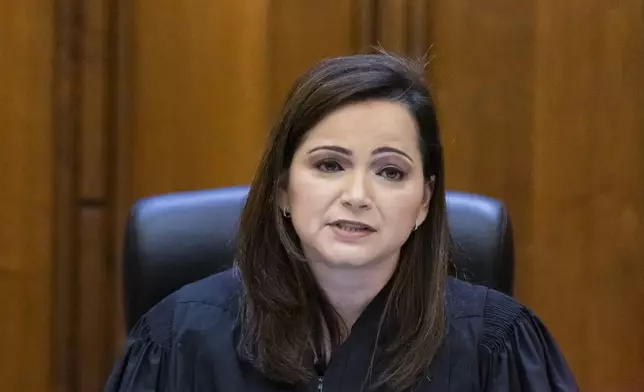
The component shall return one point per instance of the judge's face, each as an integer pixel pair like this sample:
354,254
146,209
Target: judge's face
355,188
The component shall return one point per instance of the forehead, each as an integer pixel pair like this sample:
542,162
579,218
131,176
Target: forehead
366,125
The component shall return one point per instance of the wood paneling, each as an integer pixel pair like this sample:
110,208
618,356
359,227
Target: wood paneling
483,77
540,103
198,93
392,21
588,189
94,341
334,26
66,101
84,272
401,26
95,272
26,190
119,120
93,39
208,78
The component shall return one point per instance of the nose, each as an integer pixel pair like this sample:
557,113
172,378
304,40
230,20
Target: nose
356,194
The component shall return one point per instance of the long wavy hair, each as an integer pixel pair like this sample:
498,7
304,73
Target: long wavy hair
282,307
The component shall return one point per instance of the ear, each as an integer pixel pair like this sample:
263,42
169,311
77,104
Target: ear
428,192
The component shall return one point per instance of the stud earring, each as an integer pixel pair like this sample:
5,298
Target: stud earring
286,213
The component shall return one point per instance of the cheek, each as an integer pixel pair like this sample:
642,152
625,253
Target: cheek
309,201
401,211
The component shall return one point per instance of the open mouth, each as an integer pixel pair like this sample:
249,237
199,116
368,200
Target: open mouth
352,226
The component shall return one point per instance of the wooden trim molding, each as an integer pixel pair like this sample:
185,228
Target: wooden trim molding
65,103
86,95
121,92
401,26
365,33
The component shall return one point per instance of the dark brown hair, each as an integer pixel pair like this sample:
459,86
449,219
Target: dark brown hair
282,307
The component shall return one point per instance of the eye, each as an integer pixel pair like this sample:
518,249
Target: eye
328,166
392,174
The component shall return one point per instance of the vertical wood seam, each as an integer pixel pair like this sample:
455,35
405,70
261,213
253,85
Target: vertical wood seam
65,115
120,97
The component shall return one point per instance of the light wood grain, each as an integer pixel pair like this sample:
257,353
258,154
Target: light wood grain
93,79
26,188
588,189
199,93
94,349
541,106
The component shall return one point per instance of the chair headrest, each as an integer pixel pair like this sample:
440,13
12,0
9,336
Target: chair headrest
178,238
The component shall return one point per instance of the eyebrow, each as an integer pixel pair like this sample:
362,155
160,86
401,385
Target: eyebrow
379,150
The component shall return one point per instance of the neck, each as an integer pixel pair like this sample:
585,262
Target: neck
351,289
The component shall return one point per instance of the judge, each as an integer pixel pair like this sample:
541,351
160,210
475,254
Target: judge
341,280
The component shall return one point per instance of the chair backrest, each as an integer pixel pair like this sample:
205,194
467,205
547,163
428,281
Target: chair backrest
178,238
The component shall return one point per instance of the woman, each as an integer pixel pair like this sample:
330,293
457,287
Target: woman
341,282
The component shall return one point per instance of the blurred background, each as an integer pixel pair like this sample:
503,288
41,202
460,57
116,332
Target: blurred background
103,102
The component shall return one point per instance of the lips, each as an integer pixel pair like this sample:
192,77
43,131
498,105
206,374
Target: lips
352,226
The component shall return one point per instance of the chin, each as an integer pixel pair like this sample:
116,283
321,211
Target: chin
348,259
346,263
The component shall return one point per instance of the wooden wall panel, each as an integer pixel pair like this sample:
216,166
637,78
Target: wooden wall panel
93,38
208,78
483,76
84,272
198,95
589,150
400,26
540,104
64,105
26,189
93,348
392,22
120,119
335,27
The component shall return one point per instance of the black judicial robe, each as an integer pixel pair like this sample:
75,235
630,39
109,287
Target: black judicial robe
187,343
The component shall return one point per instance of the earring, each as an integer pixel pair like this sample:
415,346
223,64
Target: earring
415,227
286,213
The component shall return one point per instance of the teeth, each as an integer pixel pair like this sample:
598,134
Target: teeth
351,227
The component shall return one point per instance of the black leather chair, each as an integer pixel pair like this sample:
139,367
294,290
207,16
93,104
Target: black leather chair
178,238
